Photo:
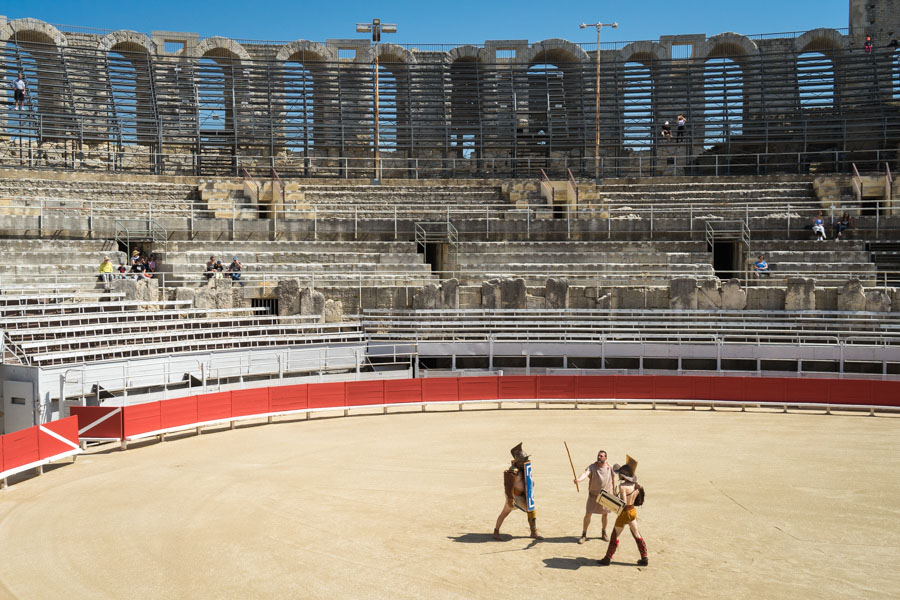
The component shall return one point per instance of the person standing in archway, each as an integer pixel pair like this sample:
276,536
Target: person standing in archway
681,124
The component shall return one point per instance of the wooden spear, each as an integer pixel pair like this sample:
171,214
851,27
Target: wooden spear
571,464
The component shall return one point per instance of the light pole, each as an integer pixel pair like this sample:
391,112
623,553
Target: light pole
376,28
599,26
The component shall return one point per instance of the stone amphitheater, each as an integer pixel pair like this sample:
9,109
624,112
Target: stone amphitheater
505,227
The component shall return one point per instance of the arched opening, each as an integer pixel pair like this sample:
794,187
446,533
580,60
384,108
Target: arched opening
815,81
388,110
638,121
215,94
896,74
723,107
299,107
36,56
465,109
544,105
129,84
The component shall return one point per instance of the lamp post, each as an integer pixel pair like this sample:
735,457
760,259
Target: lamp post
599,26
376,28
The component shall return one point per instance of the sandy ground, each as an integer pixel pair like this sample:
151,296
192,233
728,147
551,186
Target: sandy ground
739,505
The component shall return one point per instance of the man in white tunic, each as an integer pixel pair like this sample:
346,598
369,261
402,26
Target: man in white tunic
601,479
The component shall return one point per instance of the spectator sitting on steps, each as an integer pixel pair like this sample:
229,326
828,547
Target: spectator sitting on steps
761,267
218,270
845,223
210,267
818,226
235,270
139,268
122,270
106,273
666,131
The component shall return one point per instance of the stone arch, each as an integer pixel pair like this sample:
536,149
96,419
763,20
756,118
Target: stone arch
128,41
726,45
321,52
820,40
33,30
554,50
466,52
220,47
643,52
388,53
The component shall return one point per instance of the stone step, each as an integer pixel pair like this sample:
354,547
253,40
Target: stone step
235,248
200,257
635,258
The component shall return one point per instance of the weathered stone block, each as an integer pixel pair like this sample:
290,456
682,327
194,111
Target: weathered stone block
288,294
683,293
125,286
334,311
205,298
427,297
513,293
800,294
878,300
708,295
490,293
185,293
851,296
556,293
312,302
450,294
733,297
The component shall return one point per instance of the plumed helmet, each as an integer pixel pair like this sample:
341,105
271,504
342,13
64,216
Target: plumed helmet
518,453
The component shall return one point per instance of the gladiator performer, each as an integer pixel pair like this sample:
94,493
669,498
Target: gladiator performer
519,488
602,479
632,495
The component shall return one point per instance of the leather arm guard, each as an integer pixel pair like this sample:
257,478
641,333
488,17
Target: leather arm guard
509,482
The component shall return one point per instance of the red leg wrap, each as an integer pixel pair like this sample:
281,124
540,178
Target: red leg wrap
642,547
613,545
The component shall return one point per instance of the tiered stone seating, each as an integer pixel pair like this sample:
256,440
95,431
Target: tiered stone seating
535,261
22,193
39,265
388,263
50,331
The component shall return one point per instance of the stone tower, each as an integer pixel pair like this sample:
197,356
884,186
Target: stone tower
878,18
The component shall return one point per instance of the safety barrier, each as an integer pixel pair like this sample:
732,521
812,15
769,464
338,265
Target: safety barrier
37,446
128,423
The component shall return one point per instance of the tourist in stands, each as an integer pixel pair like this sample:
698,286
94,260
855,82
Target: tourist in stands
818,226
138,268
666,131
210,267
151,264
845,223
235,269
19,87
122,270
867,47
681,122
761,267
106,273
218,270
135,256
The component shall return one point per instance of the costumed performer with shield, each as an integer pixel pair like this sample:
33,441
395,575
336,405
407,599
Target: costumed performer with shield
632,494
518,485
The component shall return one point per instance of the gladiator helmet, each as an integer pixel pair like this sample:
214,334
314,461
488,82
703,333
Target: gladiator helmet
518,454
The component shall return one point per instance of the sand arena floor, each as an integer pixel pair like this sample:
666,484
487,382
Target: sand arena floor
739,505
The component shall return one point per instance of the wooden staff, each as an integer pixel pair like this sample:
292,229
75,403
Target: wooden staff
571,464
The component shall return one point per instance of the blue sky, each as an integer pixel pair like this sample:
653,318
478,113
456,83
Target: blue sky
453,21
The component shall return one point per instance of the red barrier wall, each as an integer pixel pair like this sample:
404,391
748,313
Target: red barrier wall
20,448
287,398
90,424
181,412
50,446
33,445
